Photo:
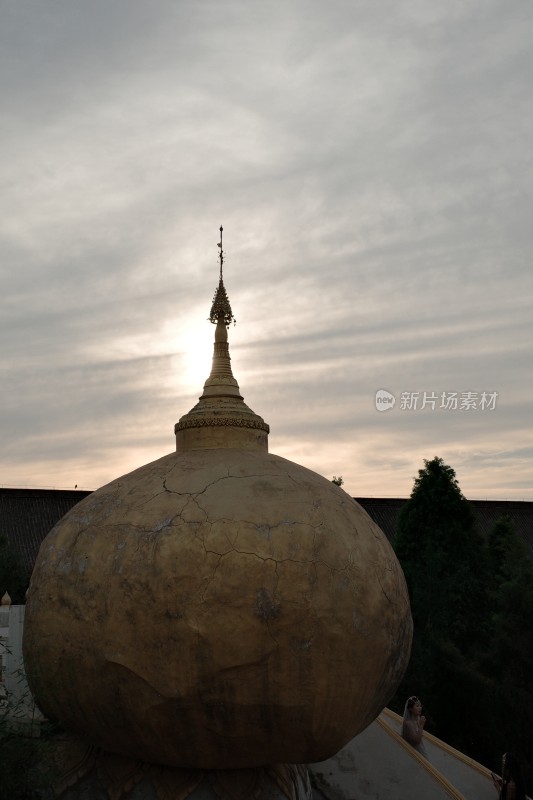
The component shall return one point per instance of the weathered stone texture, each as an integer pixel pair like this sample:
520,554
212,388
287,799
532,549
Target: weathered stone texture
217,608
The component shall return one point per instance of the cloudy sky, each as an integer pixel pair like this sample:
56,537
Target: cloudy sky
371,163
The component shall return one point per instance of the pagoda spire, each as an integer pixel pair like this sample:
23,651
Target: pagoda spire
221,418
221,308
221,315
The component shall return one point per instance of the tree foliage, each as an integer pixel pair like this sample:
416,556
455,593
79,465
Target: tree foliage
508,652
440,551
29,750
442,557
472,607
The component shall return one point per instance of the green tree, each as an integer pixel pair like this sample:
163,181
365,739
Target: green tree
29,753
472,607
508,655
442,556
441,553
507,554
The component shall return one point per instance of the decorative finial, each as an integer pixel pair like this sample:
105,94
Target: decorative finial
221,308
221,254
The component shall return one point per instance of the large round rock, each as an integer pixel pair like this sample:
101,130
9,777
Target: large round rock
217,609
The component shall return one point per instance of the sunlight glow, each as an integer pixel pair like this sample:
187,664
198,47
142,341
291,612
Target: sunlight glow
192,340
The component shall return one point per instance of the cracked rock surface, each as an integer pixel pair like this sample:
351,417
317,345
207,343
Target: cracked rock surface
217,609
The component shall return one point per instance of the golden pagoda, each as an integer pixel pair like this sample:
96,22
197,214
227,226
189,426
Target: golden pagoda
221,607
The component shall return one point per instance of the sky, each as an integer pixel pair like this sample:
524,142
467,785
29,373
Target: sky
371,164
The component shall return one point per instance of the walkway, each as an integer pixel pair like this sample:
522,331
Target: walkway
379,765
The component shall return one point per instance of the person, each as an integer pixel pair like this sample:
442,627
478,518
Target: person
413,725
511,785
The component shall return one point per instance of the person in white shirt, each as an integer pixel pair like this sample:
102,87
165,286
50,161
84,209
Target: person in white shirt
413,725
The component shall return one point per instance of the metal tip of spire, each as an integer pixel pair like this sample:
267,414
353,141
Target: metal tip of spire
221,254
221,309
